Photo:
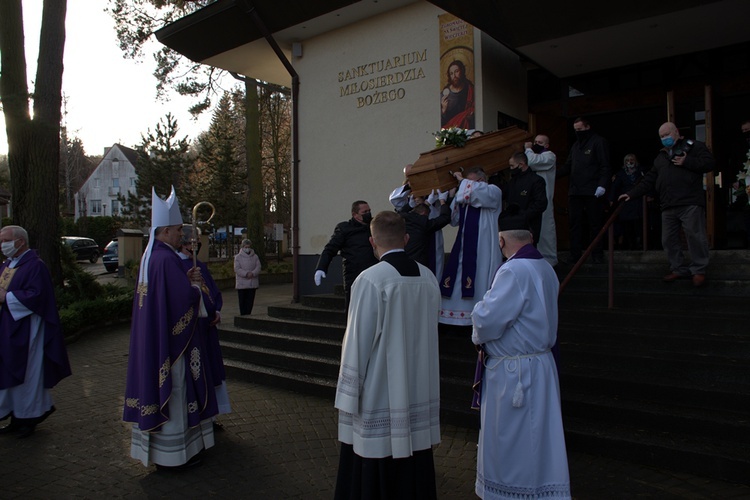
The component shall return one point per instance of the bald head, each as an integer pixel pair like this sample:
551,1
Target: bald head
542,140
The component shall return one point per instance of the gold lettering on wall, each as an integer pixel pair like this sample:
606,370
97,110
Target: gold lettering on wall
369,79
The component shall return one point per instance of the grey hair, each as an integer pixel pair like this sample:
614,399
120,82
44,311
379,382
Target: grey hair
19,232
246,242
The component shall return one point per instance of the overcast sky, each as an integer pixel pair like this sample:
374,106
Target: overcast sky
109,99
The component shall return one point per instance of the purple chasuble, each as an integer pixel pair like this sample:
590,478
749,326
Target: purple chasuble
163,329
213,302
31,284
525,252
466,239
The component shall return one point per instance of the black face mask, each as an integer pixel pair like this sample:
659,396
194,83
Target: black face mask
582,135
538,149
367,218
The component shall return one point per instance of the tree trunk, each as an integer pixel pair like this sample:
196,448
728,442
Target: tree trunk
254,174
34,145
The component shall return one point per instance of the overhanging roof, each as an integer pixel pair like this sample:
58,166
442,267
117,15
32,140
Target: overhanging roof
571,38
566,38
224,35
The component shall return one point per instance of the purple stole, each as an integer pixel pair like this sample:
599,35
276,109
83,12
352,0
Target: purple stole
31,284
468,234
525,252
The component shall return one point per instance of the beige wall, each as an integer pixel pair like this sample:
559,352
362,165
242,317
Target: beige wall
351,149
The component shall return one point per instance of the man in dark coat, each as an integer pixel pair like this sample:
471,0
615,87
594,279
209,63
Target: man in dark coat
528,191
352,239
588,166
677,176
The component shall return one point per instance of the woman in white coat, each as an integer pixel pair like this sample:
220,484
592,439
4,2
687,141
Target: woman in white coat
246,270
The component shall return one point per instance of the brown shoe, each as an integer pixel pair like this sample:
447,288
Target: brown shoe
699,280
669,278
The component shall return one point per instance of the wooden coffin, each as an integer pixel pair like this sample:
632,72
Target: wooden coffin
490,151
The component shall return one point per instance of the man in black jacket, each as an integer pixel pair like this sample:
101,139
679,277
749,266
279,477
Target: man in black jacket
527,190
420,229
352,239
677,176
589,168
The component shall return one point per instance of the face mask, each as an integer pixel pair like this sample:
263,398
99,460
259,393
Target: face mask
537,148
668,141
9,248
367,218
582,135
247,250
515,171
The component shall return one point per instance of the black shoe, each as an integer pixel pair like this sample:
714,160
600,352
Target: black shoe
25,431
218,427
11,427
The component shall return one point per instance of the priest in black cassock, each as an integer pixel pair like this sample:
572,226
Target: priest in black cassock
388,392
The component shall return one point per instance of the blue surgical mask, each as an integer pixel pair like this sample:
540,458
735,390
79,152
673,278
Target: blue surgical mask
668,141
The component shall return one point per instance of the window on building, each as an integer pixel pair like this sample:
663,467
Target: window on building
97,182
115,182
96,207
132,182
115,207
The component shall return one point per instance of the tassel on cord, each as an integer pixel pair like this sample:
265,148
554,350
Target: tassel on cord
518,393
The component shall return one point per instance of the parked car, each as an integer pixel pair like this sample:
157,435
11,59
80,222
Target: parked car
83,248
110,258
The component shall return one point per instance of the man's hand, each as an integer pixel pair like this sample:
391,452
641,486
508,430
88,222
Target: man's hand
458,176
599,192
194,275
526,145
217,319
319,275
442,195
624,197
679,160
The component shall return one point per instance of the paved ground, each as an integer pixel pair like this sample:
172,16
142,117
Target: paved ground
276,444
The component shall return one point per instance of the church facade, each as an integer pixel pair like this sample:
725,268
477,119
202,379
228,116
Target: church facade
374,80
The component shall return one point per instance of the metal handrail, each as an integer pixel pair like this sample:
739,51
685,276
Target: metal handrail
611,260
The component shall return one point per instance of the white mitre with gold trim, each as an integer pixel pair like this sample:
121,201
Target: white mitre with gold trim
165,212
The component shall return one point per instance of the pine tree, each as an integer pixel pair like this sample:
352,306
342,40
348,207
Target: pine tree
163,162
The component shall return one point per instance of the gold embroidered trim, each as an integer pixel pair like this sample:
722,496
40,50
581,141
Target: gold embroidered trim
193,407
132,403
149,410
195,363
142,292
7,276
183,322
164,372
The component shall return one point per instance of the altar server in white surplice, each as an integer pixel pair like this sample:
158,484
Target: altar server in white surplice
475,255
521,450
388,392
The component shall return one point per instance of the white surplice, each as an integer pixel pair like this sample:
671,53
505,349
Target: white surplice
388,392
455,309
544,164
521,450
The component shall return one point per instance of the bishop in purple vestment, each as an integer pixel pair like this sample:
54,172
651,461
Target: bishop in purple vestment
170,394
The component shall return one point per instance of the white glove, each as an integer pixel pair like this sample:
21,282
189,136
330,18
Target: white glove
442,195
433,197
599,191
318,276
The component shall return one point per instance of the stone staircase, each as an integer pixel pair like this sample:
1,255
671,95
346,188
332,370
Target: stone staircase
662,379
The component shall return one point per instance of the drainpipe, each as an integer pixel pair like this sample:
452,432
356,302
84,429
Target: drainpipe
249,10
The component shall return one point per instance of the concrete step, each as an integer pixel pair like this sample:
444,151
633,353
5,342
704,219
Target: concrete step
266,323
300,312
283,359
697,455
294,381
